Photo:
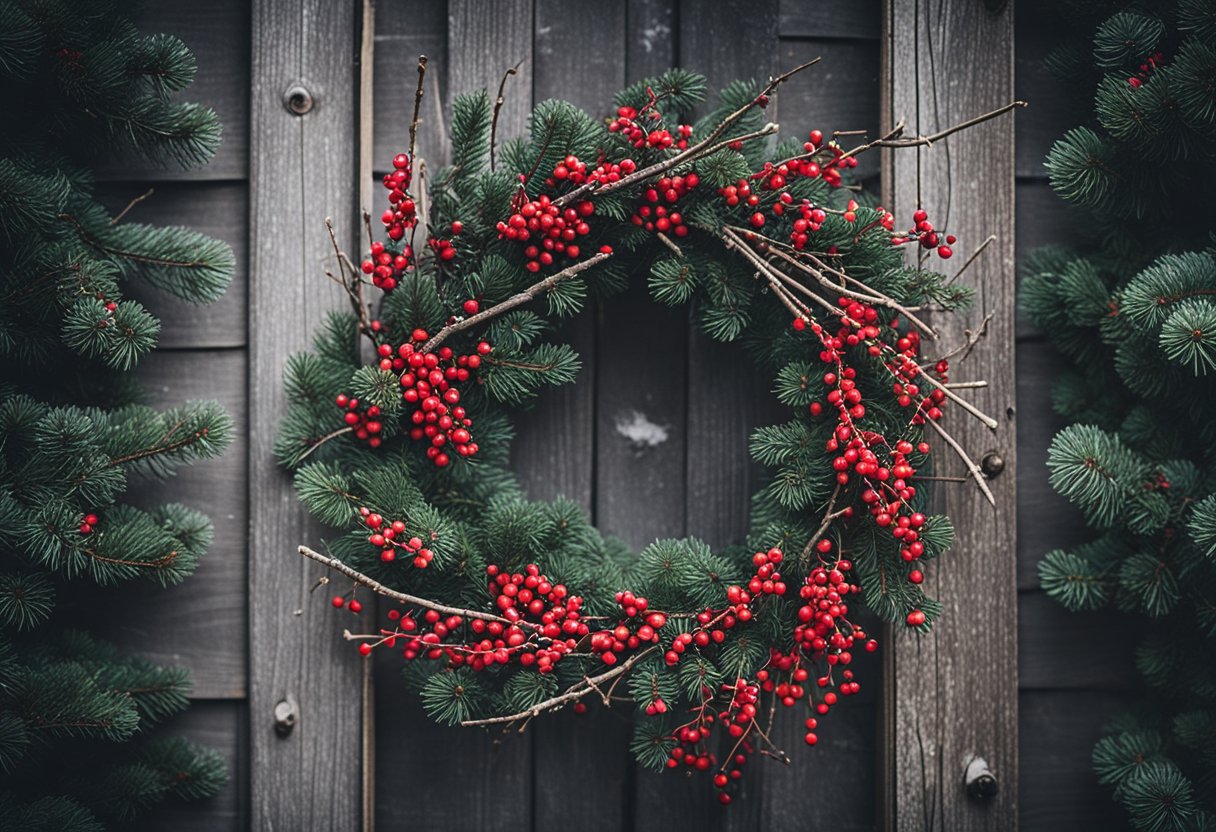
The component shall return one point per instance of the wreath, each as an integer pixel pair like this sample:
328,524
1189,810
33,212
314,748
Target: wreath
504,608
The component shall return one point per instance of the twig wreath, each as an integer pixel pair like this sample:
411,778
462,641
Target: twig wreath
505,608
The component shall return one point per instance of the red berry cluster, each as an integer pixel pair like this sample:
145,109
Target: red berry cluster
354,606
628,124
824,632
384,266
89,523
609,644
812,164
554,229
365,423
1146,69
663,217
444,249
392,537
922,232
428,380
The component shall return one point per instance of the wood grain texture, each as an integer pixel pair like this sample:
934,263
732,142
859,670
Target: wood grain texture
406,29
1061,650
302,170
222,725
1059,792
485,38
950,61
218,35
1046,520
855,19
218,209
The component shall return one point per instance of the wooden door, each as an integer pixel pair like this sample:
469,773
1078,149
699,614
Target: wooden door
652,438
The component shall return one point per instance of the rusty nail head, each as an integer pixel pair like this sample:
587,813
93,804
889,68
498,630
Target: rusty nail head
992,464
297,99
285,715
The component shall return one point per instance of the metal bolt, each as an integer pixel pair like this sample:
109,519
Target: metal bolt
285,715
980,782
992,464
297,99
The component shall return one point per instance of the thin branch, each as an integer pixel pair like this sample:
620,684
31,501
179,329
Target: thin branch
894,138
417,105
965,385
499,100
971,259
117,219
972,468
671,244
351,281
380,589
576,692
332,435
973,338
828,516
515,300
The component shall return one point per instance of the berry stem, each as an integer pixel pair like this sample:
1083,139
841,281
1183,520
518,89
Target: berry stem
499,100
418,104
972,468
515,300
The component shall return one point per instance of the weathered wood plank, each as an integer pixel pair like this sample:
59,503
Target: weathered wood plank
724,396
485,39
1062,650
218,34
650,43
1059,792
1046,520
860,19
956,60
571,751
223,726
406,29
1054,106
1043,219
841,93
220,209
301,172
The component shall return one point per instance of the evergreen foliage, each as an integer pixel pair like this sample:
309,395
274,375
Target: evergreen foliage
83,82
1133,311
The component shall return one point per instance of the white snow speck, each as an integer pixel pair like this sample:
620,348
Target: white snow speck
640,431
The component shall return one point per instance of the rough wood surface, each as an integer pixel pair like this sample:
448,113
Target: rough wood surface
301,167
833,19
949,61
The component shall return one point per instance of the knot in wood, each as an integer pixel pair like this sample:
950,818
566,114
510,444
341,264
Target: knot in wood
285,716
297,99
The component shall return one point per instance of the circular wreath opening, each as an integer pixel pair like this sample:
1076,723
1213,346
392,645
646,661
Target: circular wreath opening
505,608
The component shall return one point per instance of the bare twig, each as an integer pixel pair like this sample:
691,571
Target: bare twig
973,338
895,137
979,250
965,385
972,468
332,435
499,100
351,281
828,516
417,105
671,244
380,589
117,219
576,692
515,300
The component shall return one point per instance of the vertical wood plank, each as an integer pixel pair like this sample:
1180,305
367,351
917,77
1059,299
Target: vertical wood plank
302,167
487,782
951,60
558,450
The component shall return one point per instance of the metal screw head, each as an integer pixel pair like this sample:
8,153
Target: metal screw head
285,716
984,787
297,99
992,464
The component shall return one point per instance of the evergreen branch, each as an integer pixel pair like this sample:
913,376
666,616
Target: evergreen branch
380,589
141,564
515,300
499,100
701,148
578,691
96,244
157,449
976,473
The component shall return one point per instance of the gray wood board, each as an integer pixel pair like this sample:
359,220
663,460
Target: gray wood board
859,19
1059,791
218,35
406,29
950,61
221,725
218,209
302,170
